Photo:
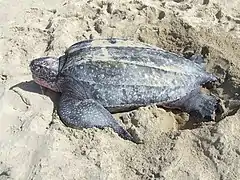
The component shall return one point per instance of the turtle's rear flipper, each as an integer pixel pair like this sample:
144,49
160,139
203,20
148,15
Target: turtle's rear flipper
198,104
87,114
198,59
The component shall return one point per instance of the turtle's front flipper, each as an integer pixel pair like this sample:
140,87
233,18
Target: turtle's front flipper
199,104
87,114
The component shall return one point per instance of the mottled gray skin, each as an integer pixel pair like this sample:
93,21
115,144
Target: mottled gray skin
98,76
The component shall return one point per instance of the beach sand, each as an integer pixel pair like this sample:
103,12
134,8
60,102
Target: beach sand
34,143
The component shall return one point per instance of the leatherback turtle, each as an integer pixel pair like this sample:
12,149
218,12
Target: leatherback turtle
96,77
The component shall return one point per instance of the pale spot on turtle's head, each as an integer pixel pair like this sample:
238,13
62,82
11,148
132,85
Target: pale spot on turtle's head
45,71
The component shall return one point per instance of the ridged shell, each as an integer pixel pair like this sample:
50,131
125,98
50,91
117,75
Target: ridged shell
121,72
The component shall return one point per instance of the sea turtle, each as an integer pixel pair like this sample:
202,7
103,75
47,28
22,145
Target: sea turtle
96,77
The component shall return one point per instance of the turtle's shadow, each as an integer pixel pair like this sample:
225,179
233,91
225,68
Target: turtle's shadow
31,86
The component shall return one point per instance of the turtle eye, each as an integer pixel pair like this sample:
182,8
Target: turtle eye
53,75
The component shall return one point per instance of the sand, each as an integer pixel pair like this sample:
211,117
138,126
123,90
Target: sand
34,144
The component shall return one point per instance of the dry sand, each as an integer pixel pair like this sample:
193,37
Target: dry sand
34,144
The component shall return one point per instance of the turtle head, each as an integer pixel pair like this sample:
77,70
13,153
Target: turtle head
45,71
